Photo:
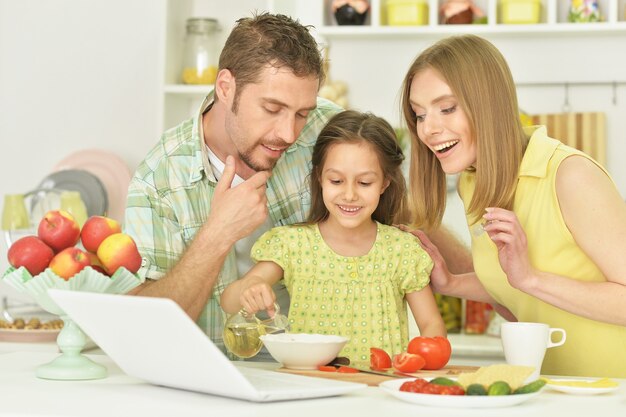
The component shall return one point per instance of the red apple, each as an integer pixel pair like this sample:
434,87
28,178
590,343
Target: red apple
69,262
96,229
31,253
95,263
119,250
59,230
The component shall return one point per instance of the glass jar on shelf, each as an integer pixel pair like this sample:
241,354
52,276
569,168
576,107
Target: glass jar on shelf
200,52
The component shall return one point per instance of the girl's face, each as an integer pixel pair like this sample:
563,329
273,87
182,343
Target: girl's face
442,124
352,182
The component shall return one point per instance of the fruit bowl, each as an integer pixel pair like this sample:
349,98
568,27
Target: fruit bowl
303,351
71,364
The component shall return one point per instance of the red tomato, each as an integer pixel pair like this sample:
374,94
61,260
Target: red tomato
379,359
413,386
435,350
408,362
347,370
420,386
431,389
451,390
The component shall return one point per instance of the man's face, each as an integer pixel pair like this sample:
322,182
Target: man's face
269,116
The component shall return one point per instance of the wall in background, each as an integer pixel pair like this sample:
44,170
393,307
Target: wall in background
74,75
77,74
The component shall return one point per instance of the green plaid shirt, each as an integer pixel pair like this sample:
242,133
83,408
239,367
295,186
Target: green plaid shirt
169,199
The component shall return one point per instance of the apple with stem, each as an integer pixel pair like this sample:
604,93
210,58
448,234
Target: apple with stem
59,230
69,262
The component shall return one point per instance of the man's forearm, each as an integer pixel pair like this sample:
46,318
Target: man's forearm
191,281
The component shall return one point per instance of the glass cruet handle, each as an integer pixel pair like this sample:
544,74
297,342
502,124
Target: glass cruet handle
279,321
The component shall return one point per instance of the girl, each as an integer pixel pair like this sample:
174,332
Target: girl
548,224
348,271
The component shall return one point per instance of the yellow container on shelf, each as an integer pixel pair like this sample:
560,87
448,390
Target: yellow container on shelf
520,11
407,12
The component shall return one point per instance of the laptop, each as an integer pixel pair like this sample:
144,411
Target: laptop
155,340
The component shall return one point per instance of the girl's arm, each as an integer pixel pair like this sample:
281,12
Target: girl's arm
254,290
595,214
424,308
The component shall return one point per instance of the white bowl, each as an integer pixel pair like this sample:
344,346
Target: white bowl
303,351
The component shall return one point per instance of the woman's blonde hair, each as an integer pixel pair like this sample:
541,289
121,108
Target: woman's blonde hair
481,80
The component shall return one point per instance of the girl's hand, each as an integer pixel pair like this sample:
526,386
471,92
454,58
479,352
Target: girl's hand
440,276
257,296
506,232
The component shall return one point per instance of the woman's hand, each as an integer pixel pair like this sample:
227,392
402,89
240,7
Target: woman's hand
507,233
440,276
258,295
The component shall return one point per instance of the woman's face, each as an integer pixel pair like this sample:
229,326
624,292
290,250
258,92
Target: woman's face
442,124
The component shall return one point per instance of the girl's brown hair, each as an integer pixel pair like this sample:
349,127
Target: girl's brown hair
355,127
481,80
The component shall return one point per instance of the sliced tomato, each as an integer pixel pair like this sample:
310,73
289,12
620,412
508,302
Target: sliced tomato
347,370
326,368
413,386
379,359
408,362
436,350
420,386
452,390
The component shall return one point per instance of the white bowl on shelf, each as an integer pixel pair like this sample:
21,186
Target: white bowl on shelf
303,351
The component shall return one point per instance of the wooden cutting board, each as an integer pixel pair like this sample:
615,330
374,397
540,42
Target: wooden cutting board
374,379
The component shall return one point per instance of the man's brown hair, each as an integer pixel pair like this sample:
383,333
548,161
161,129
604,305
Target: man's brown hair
269,39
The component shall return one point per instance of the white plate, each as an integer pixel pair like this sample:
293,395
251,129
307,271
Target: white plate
580,390
454,401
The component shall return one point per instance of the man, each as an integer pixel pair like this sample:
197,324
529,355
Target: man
216,182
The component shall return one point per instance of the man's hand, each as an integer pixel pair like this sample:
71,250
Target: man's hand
236,212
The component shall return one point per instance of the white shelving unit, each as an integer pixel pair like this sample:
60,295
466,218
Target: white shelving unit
179,100
553,19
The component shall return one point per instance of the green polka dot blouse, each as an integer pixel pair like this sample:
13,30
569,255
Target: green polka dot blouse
360,297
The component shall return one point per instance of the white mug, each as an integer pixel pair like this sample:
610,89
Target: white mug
526,343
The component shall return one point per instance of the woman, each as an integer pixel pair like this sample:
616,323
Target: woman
548,224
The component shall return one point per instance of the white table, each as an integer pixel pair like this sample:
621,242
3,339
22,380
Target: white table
23,394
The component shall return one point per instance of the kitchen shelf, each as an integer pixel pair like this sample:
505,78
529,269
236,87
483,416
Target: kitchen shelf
553,20
540,29
179,101
188,90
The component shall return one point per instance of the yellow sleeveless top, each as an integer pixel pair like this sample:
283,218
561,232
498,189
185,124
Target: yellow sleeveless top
592,348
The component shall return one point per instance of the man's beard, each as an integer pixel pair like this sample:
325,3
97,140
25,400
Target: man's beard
247,159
